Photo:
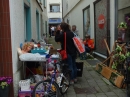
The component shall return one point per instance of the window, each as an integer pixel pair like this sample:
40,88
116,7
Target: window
86,21
27,23
54,8
41,25
44,3
37,24
46,25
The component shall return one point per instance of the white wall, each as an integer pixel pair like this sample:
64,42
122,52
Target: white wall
54,14
68,5
17,36
17,29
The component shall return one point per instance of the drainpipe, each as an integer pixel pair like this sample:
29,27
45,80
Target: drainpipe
116,19
62,11
108,27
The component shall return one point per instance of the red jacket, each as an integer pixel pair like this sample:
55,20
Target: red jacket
90,43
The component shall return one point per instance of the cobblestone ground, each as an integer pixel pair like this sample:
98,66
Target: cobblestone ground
91,79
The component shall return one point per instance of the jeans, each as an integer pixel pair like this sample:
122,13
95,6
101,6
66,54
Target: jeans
72,66
87,49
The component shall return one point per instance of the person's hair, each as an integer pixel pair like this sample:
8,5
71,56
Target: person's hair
87,36
57,27
64,26
74,26
26,45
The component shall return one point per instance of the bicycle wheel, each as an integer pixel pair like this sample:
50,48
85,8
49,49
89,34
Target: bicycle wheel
65,83
45,89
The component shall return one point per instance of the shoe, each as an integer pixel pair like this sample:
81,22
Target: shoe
71,82
75,80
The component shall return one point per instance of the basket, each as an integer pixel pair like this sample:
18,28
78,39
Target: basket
25,85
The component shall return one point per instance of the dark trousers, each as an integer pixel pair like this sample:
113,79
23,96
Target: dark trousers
50,33
87,49
72,66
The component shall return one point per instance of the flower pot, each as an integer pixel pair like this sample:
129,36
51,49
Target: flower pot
121,34
4,92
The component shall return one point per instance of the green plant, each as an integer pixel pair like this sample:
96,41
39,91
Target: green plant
5,81
119,58
122,25
118,49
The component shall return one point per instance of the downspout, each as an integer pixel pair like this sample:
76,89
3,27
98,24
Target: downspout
62,12
116,19
108,27
108,23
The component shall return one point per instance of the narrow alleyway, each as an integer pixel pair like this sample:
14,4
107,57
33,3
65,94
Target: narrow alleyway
91,84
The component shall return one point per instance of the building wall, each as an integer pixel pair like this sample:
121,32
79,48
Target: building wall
54,14
68,5
35,7
75,17
123,10
17,32
124,4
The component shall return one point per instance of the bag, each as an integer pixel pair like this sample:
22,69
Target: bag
79,45
79,68
63,53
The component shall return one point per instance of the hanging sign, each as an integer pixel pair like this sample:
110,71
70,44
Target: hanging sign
101,21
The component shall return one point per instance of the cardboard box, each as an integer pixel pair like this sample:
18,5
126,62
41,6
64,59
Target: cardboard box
106,72
99,67
117,79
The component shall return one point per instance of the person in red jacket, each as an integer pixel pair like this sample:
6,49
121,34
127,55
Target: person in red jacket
89,44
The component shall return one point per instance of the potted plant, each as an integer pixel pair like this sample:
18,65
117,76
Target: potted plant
118,58
4,86
122,27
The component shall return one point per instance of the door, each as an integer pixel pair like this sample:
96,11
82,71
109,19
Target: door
102,30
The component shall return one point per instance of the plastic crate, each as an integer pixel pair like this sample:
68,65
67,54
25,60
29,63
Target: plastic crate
25,93
29,93
38,50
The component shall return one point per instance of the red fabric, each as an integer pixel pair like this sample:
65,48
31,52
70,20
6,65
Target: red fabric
63,53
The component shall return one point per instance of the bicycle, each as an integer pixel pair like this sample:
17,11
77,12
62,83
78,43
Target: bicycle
47,88
65,81
53,87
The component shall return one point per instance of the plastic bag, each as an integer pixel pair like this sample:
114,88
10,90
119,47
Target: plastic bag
38,78
79,45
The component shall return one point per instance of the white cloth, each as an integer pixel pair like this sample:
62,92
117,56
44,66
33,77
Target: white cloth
31,57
